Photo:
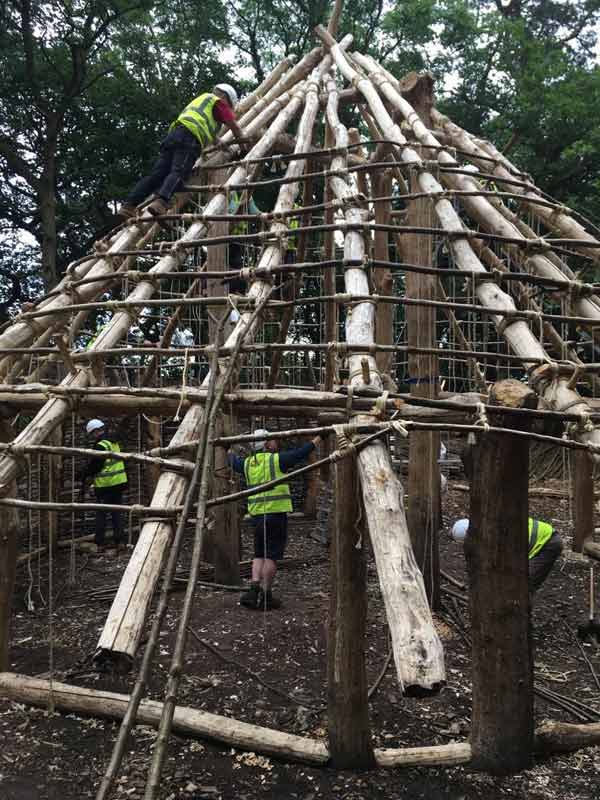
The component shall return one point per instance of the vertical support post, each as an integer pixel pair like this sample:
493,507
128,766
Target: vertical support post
153,439
216,259
288,313
496,549
9,523
313,486
348,708
582,481
53,484
424,447
224,537
382,278
330,309
424,504
9,529
329,275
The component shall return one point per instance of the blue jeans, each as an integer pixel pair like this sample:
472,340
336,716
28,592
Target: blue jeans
178,153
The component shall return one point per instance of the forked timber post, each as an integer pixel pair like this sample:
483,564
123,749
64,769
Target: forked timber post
496,549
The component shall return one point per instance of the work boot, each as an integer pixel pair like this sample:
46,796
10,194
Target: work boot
158,207
127,211
267,602
250,597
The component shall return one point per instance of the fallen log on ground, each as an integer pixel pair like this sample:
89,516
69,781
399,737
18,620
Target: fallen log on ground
550,737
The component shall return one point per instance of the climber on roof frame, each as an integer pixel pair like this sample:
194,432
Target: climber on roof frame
193,130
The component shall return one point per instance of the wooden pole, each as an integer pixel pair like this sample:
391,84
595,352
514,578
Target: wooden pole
225,533
418,653
348,705
9,526
496,549
382,279
54,484
313,489
582,487
330,309
424,509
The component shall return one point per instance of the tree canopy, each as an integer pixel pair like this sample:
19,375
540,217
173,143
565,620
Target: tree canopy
87,89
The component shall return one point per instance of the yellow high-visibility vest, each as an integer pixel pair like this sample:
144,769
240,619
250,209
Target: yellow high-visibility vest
539,533
199,119
113,469
260,468
292,240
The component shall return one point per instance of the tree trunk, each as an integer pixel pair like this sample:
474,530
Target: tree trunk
496,548
47,207
583,498
348,705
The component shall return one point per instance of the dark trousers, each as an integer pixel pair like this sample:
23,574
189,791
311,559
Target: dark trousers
178,153
541,564
112,495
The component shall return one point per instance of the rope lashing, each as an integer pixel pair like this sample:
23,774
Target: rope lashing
345,444
349,400
399,426
379,409
579,290
176,418
516,315
247,273
482,419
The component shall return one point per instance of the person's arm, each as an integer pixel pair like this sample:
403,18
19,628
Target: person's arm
289,458
224,114
235,462
92,467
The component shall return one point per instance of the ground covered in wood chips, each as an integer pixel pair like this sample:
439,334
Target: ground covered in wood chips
63,756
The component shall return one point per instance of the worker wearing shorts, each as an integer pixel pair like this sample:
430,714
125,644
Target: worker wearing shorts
268,510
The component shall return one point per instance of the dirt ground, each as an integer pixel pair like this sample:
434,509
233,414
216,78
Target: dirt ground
62,757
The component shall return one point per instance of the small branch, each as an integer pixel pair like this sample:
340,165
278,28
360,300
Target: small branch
231,661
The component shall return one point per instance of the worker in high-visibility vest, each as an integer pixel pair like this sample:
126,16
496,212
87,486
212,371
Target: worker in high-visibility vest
292,239
193,130
545,546
268,510
109,478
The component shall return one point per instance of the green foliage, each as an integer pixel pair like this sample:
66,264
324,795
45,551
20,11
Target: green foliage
88,88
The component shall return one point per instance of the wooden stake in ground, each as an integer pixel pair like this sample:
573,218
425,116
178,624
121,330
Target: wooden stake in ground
496,549
225,534
348,706
9,528
583,498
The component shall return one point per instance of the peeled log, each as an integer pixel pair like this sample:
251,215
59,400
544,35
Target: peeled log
418,652
214,727
186,722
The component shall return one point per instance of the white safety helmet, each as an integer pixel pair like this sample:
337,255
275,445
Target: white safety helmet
459,530
259,443
230,92
94,425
